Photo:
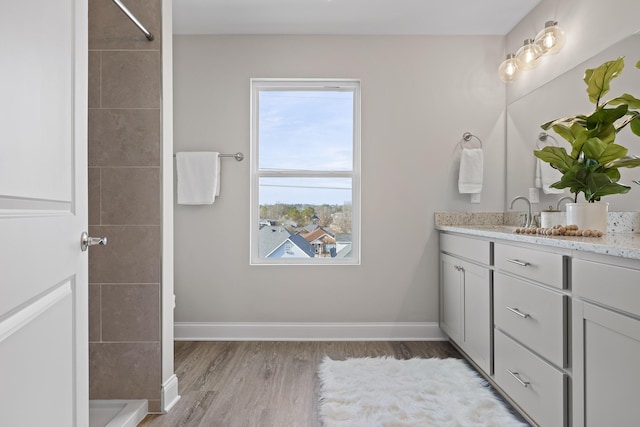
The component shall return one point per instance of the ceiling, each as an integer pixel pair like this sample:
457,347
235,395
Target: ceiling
384,17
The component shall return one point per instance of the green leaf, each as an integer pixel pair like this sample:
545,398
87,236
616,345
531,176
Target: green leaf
613,174
635,125
567,121
606,133
624,162
598,79
564,132
599,184
606,116
593,148
588,74
630,100
608,189
612,152
574,179
547,125
557,157
581,135
638,64
597,180
631,115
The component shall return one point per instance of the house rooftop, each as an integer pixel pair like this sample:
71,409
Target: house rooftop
270,237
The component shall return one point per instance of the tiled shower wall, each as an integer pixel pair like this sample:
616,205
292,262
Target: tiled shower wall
125,202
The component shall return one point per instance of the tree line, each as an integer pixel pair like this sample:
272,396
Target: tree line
335,217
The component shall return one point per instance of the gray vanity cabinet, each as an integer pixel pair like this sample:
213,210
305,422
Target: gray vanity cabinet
557,330
606,342
531,335
465,296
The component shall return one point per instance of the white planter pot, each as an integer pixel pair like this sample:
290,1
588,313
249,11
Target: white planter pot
588,216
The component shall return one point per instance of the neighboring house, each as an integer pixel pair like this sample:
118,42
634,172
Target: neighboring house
322,240
270,237
295,246
309,228
278,242
343,245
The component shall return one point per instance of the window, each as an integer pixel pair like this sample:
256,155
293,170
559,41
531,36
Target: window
305,166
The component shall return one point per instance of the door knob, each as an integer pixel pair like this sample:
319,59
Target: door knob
86,241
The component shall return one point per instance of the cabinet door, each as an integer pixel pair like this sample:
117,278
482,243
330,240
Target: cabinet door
476,340
606,375
451,297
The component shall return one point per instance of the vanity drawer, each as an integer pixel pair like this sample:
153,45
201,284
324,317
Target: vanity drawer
466,247
537,387
615,286
531,314
534,264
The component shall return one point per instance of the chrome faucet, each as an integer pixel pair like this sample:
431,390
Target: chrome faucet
561,199
529,218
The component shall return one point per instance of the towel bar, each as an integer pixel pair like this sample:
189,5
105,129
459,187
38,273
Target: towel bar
542,137
238,156
466,137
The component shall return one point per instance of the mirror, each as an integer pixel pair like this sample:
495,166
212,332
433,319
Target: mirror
563,96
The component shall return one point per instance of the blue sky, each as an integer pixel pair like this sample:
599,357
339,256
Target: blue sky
306,130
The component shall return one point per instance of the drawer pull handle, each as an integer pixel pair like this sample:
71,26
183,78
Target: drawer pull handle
518,262
517,377
518,312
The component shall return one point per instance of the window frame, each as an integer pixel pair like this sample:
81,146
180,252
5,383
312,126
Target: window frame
262,84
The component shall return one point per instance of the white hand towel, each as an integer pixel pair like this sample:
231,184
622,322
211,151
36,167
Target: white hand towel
471,165
545,176
198,177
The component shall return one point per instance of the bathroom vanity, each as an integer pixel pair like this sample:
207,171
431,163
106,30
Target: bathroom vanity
553,322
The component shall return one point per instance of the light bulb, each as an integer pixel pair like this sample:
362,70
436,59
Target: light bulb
548,41
528,56
551,38
508,70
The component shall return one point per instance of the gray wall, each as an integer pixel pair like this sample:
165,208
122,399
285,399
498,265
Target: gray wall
419,95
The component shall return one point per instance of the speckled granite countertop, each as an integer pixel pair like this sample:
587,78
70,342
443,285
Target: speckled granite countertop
622,238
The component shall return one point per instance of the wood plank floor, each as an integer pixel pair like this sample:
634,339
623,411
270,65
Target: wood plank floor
265,384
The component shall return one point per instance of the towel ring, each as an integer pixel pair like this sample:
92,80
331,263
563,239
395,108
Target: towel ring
542,137
466,137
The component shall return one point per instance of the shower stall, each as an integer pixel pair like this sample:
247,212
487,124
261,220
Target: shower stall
131,203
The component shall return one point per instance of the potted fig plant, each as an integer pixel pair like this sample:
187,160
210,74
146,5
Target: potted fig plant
592,166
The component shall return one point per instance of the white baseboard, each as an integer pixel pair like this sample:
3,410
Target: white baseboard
170,394
120,413
268,331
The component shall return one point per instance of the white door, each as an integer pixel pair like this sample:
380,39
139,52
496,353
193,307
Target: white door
43,211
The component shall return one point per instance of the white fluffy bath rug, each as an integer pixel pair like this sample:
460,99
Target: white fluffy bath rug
386,392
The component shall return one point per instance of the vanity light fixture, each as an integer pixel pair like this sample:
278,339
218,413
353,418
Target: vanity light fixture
549,41
551,38
528,56
508,70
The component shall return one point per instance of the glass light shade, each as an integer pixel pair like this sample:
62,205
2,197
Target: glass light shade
528,56
551,38
508,70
